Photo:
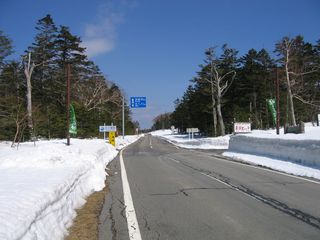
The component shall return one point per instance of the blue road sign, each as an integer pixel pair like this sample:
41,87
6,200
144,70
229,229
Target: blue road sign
138,102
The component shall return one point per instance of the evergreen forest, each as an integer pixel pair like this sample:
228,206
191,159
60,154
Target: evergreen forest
95,99
230,88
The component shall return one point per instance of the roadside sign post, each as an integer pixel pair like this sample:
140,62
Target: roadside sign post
191,132
138,102
242,127
112,133
112,138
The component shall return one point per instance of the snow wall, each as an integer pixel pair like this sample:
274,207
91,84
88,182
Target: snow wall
306,152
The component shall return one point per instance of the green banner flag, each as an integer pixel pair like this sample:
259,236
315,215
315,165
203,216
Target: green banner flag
272,108
73,121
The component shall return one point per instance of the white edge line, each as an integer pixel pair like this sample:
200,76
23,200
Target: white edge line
257,167
265,169
133,226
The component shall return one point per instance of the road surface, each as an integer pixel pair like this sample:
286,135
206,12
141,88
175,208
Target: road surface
187,194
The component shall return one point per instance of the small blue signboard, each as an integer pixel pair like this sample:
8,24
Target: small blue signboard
138,102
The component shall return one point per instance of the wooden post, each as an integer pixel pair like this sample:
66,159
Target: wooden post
278,104
68,103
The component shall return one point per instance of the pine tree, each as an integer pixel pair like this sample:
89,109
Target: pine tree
5,48
69,49
255,84
43,52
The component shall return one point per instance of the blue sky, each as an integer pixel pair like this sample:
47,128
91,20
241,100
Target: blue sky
153,48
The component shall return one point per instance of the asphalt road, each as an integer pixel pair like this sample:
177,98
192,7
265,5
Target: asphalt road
185,194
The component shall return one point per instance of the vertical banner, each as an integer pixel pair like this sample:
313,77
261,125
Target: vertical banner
272,107
73,121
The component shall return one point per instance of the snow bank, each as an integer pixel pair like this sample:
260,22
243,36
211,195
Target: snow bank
299,148
277,164
42,185
306,152
196,143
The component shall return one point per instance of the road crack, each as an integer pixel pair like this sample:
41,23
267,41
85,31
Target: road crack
113,223
296,213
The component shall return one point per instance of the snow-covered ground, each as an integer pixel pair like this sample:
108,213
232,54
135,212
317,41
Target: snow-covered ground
196,143
42,185
297,154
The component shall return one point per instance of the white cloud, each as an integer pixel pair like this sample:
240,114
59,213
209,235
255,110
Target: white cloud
100,36
97,46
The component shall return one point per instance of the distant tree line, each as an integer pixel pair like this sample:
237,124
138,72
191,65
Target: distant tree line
230,88
96,100
162,121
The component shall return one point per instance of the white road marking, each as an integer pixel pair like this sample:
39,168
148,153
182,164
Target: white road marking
172,159
267,170
133,226
150,143
257,167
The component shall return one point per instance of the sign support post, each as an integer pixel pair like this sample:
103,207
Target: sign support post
191,132
112,133
122,117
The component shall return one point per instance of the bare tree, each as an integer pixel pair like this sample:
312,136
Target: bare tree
286,48
12,111
219,83
28,70
20,121
95,92
222,84
294,73
209,78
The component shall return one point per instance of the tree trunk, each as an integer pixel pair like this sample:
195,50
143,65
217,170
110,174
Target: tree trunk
221,123
290,96
16,134
29,106
28,72
214,112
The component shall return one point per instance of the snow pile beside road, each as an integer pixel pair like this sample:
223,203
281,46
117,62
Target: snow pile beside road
304,152
276,164
123,142
299,148
196,143
42,185
311,133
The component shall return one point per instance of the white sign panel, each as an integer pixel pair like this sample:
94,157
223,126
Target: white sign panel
242,127
192,130
107,128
